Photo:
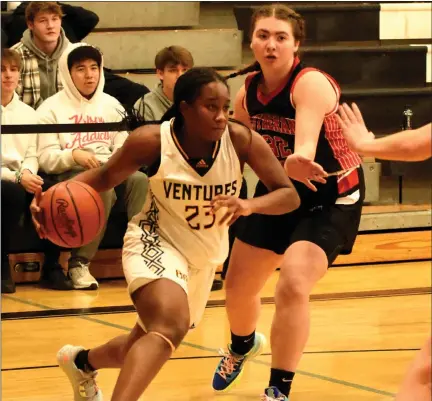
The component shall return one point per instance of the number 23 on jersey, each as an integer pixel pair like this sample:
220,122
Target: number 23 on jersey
200,217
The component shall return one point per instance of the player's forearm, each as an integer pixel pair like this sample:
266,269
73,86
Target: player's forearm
280,201
96,178
307,150
384,150
406,145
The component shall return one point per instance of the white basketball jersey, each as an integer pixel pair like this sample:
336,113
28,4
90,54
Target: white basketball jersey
178,204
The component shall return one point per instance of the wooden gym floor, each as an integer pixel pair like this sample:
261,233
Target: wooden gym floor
368,320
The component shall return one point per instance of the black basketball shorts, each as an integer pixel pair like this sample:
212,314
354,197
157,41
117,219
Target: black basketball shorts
333,227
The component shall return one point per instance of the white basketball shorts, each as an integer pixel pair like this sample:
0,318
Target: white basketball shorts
148,257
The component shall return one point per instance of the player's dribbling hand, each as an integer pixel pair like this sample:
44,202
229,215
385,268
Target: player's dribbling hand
236,207
36,212
302,169
353,127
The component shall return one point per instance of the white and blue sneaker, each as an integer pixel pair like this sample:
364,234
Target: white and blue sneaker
230,367
273,394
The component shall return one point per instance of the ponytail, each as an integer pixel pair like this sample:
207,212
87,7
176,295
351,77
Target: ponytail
169,114
131,119
173,112
250,68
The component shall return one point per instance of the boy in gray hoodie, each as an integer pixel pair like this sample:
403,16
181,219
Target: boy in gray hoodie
40,49
171,62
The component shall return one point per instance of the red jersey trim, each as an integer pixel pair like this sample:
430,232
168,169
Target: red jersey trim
342,153
348,182
266,99
248,80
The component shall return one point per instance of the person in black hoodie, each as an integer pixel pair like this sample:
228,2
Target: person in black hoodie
77,23
4,39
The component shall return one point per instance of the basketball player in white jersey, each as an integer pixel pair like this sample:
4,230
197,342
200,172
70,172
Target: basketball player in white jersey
172,248
410,145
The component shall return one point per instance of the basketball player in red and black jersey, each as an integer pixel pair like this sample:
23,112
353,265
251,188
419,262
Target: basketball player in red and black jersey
293,107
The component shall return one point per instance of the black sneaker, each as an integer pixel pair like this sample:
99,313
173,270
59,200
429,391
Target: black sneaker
7,283
54,278
7,286
217,285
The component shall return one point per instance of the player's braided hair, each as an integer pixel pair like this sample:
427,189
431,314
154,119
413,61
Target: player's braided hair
250,68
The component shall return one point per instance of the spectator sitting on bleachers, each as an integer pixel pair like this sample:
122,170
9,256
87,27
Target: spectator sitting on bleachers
77,23
40,49
66,154
171,62
19,167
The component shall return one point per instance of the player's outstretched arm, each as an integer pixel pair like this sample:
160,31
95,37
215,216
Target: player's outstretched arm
313,97
409,145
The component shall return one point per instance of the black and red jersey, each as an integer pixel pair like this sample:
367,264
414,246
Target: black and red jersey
273,116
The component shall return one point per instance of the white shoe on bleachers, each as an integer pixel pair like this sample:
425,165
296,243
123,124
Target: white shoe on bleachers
81,277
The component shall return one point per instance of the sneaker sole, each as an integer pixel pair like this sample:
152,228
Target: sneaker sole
250,358
92,286
48,284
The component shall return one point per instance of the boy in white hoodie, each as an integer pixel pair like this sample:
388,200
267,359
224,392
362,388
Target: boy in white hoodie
19,167
82,100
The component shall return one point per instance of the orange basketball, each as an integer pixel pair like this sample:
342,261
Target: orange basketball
72,214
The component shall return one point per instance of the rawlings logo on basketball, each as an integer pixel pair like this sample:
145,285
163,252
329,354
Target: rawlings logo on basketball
73,214
63,219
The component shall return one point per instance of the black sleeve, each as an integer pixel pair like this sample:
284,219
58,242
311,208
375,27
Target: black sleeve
4,39
78,22
124,90
16,24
